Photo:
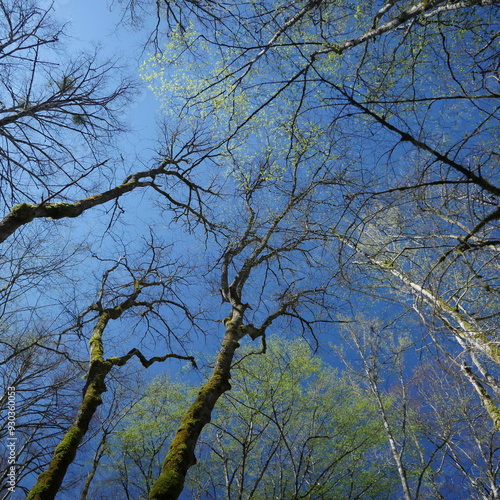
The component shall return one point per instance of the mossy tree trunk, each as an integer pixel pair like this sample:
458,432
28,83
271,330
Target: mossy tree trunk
49,481
181,456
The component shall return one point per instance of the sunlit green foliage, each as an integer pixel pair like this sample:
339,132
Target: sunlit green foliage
291,426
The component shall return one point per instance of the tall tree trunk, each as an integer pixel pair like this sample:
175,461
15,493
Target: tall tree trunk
181,457
49,481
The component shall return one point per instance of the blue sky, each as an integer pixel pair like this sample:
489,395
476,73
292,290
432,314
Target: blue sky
90,24
93,23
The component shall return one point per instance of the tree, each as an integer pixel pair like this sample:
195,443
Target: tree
387,77
268,257
283,430
441,439
105,310
310,161
55,116
37,383
455,422
58,122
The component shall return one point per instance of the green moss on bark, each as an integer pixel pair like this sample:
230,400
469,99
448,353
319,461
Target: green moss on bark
23,213
181,455
48,482
493,411
169,485
61,210
74,435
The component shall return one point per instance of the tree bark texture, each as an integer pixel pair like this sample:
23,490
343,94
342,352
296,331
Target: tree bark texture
49,481
181,457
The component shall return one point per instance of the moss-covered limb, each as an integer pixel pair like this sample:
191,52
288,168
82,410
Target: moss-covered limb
486,400
181,457
49,481
24,213
20,214
95,343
